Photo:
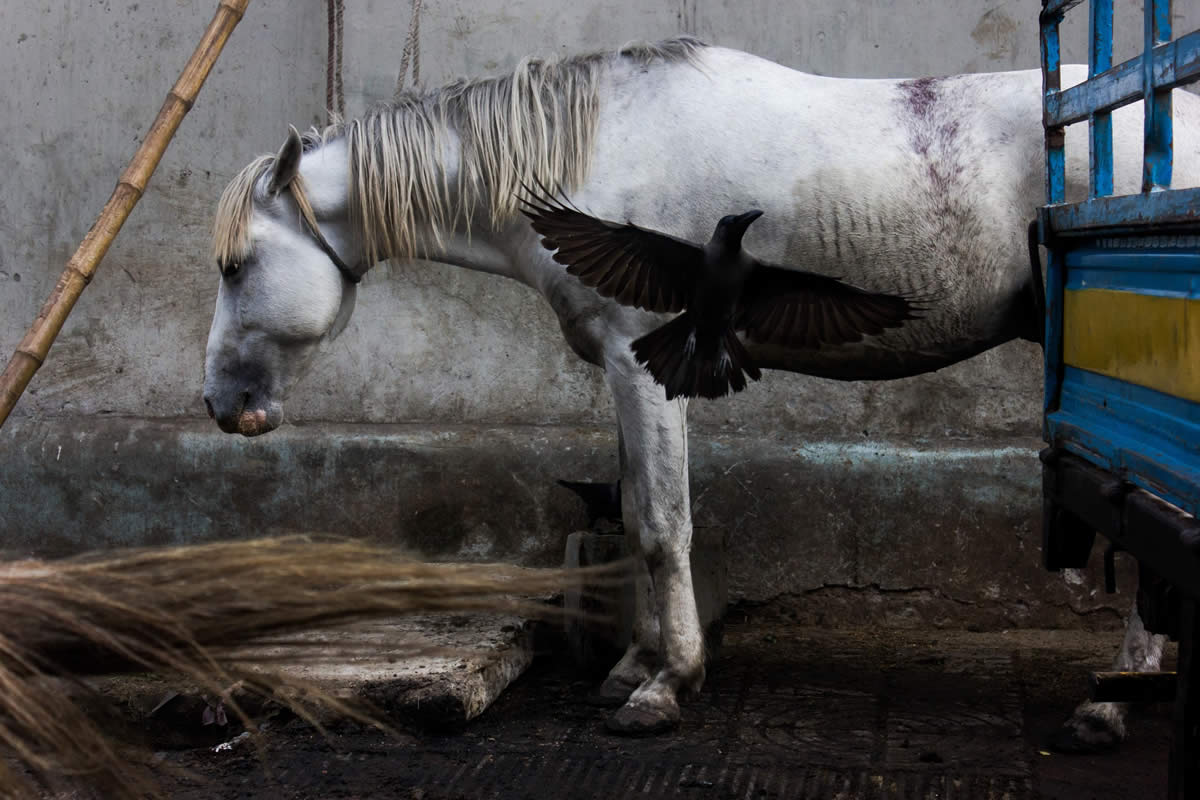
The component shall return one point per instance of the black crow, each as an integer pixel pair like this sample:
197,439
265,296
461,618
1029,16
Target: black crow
723,288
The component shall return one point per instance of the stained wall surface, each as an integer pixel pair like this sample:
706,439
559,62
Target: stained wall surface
84,80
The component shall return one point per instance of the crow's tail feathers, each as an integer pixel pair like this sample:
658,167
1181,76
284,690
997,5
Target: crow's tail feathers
671,355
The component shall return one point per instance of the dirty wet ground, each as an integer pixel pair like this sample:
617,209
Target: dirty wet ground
786,711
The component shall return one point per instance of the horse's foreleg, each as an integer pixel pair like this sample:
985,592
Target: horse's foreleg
641,658
1096,727
657,515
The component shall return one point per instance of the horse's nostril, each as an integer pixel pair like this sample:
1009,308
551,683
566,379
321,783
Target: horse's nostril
208,405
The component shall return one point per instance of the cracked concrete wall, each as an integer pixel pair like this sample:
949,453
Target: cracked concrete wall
828,533
85,78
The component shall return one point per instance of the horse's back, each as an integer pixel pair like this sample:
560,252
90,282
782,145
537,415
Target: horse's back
923,185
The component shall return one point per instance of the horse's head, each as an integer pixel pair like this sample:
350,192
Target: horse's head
282,242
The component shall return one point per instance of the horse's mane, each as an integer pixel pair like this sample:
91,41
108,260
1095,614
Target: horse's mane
535,123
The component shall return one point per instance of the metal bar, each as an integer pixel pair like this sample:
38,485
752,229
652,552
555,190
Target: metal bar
1055,290
1156,159
1174,64
1183,767
1159,535
1057,8
1180,208
1100,154
1056,170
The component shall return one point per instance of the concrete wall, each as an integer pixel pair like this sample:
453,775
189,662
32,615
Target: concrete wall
83,81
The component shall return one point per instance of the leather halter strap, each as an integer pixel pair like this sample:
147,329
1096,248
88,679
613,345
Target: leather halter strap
309,218
347,273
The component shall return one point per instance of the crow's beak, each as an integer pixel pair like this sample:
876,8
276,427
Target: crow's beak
742,221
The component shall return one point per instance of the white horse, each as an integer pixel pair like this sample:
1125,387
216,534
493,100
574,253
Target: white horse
899,185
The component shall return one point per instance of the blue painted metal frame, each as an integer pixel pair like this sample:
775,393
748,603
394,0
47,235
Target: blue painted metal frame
1156,160
1051,85
1177,208
1163,65
1149,438
1174,64
1158,271
1146,437
1108,435
1100,124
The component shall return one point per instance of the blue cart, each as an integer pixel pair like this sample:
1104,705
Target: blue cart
1122,356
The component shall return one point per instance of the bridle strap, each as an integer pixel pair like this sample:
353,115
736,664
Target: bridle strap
310,221
323,243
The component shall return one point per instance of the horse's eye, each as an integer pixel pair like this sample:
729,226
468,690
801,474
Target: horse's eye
231,269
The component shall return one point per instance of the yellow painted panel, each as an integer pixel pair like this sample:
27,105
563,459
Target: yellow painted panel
1139,338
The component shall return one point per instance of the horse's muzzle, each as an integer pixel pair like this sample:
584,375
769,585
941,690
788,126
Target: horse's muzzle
241,412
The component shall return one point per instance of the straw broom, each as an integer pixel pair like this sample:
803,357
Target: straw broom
201,613
31,352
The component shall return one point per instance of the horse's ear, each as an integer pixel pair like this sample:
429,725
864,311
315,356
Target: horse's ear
287,163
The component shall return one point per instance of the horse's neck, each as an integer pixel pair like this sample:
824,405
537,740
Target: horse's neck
326,173
478,249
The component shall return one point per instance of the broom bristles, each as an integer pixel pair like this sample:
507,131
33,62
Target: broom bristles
203,613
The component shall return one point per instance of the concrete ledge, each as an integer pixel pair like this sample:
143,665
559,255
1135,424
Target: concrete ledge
942,533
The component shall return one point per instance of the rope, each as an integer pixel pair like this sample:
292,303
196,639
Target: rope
335,99
412,49
330,47
341,38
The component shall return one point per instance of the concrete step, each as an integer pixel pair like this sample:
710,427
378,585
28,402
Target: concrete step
943,532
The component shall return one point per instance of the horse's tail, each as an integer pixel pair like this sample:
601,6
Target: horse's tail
671,355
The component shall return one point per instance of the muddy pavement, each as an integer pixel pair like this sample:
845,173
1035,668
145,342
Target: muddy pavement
786,712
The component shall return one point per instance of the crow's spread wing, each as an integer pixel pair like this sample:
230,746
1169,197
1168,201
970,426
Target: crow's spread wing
635,266
805,310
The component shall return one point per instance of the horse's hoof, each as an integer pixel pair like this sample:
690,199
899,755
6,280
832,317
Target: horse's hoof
612,693
639,719
601,700
1084,735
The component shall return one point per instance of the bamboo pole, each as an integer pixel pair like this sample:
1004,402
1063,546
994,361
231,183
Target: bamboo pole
31,352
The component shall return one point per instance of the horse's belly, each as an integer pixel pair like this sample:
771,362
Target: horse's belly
920,187
868,361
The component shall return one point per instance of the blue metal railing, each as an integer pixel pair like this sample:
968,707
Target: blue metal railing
1100,122
1122,380
1156,158
1163,65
